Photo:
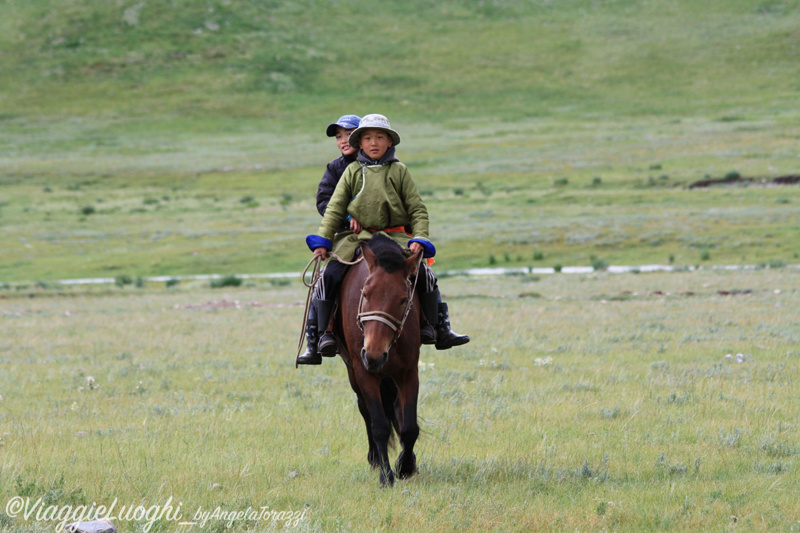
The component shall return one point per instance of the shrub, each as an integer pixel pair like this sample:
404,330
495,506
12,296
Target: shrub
172,282
226,281
122,280
88,210
597,263
732,176
538,256
596,181
560,182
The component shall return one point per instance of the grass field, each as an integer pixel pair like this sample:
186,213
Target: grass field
174,137
596,402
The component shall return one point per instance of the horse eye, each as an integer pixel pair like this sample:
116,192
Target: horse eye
404,301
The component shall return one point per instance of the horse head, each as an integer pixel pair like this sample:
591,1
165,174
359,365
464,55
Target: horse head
386,299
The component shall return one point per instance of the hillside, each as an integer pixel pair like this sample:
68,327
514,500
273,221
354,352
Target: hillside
299,59
130,128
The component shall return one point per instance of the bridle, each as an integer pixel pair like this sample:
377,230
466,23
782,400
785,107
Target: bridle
386,318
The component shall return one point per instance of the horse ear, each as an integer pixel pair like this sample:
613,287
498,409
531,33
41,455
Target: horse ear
369,257
411,264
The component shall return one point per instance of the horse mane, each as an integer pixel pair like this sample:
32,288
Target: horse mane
388,253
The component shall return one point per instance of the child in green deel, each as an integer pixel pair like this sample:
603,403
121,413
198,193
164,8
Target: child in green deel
378,191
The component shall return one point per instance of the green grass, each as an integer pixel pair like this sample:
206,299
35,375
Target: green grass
131,132
607,402
171,137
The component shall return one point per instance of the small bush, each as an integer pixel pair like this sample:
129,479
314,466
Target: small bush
732,176
557,268
88,210
122,280
538,256
597,181
286,200
705,255
172,282
150,201
597,263
227,281
560,182
458,191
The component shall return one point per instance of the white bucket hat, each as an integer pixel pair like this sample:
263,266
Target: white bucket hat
374,121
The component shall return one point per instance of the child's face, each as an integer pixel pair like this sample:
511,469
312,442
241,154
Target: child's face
375,142
342,140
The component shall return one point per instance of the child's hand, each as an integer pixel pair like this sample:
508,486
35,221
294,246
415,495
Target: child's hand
415,247
355,226
320,252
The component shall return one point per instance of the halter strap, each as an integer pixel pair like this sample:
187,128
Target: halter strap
385,318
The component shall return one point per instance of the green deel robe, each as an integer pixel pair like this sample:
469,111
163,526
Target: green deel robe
379,197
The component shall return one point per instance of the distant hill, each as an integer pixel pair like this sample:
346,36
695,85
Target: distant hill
296,60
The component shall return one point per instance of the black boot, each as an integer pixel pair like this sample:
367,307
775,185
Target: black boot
327,341
310,356
429,302
445,337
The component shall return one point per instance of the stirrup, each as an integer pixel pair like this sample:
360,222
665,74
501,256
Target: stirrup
327,345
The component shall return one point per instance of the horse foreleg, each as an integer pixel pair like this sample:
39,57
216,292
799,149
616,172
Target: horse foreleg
372,454
380,426
408,393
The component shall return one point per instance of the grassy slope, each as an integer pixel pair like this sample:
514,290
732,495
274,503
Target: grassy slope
162,117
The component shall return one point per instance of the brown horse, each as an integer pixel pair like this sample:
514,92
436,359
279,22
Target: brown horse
378,328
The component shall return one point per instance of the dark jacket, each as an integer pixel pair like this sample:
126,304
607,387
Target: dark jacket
333,173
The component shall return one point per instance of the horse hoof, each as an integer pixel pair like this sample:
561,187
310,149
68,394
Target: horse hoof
387,480
373,459
406,468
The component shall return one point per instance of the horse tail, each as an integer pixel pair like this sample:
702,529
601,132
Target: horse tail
389,401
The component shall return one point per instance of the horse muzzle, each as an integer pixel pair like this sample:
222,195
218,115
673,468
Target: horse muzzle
373,363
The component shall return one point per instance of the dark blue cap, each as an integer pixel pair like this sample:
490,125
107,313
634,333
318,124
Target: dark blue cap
348,122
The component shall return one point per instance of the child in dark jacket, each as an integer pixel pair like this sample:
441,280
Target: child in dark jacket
340,130
379,191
